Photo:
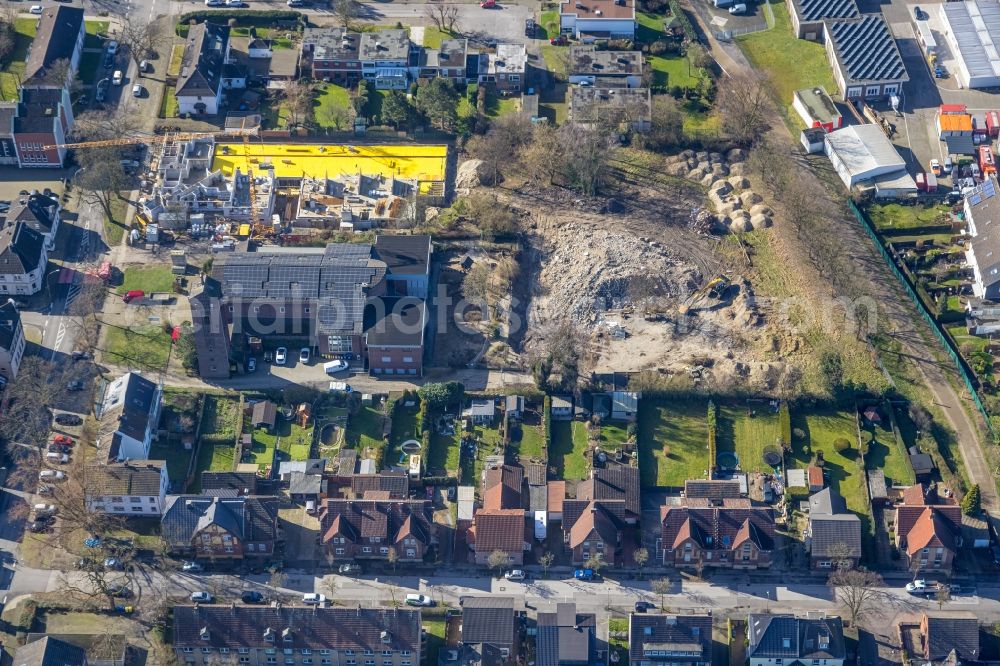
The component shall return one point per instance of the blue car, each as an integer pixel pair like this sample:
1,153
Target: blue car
584,574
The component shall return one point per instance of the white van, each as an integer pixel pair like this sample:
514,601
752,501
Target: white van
340,386
334,367
310,507
60,458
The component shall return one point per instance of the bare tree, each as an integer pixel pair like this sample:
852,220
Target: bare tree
101,125
443,16
298,100
346,11
498,560
84,314
338,116
541,157
138,36
476,283
546,561
942,596
595,562
641,557
60,73
38,387
102,178
841,555
857,590
585,152
502,143
392,557
662,587
745,105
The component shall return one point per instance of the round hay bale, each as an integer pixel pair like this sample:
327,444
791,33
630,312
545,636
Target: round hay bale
709,179
701,156
760,221
750,198
687,154
739,182
715,158
721,189
720,170
736,155
738,169
760,209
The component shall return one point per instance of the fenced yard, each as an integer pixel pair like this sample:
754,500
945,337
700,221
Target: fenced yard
672,441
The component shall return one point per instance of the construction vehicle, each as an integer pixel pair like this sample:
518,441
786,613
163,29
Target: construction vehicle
714,290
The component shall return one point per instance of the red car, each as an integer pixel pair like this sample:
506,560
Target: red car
63,440
488,4
559,41
135,294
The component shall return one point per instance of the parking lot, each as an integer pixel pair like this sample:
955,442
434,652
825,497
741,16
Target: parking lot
721,20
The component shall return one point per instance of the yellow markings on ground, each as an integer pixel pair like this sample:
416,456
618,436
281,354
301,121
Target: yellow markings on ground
422,163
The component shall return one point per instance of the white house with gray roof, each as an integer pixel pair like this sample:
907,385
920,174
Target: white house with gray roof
127,489
130,413
785,639
206,71
864,157
982,215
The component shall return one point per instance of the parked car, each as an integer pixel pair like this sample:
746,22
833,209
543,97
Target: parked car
314,599
38,526
112,563
949,165
280,355
35,9
51,475
936,166
252,597
144,67
234,3
202,597
488,4
68,419
112,47
516,574
349,569
529,27
109,61
419,600
64,440
117,77
44,490
268,357
44,509
53,456
584,574
251,364
191,566
643,606
304,355
333,367
137,90
739,8
559,41
102,94
296,3
213,3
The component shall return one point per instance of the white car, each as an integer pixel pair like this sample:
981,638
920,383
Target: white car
117,77
137,90
419,600
60,458
35,9
213,3
917,587
51,475
738,9
516,574
191,566
202,597
304,355
112,47
280,356
234,3
314,599
46,509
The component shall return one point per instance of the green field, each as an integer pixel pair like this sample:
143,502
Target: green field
217,436
142,347
791,63
613,435
675,71
148,279
898,216
549,21
404,427
497,106
262,448
746,430
569,446
433,37
672,442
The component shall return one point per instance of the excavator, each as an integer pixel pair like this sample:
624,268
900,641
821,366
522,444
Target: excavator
714,290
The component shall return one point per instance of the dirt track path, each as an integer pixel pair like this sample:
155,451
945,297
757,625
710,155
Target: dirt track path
907,325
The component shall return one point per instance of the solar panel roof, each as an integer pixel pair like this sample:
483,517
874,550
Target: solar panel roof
866,50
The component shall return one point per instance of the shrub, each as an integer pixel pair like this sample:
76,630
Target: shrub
785,424
658,48
972,502
799,433
840,445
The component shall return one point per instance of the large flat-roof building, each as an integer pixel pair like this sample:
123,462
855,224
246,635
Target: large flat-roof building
865,59
863,156
807,16
972,29
590,20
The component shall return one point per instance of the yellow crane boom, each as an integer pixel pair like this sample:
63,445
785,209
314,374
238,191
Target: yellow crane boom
177,136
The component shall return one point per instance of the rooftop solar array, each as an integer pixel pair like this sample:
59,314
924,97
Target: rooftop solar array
866,50
986,190
817,10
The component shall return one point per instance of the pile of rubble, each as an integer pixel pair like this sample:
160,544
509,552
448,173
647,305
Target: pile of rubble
589,270
737,207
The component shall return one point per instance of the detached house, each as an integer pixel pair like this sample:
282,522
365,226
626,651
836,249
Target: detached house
127,489
834,532
738,534
928,529
221,528
41,212
23,259
368,528
777,639
669,640
203,77
130,413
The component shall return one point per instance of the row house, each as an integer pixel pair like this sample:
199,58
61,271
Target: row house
221,528
490,632
504,70
499,526
335,54
778,639
605,510
300,635
670,639
738,534
369,528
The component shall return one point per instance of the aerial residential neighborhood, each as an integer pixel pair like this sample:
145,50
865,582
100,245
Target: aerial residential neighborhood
343,332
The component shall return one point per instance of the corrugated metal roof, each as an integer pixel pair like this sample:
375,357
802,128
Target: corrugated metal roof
976,28
862,148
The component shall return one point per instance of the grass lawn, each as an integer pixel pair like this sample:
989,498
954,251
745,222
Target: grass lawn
888,455
89,63
531,445
443,454
649,28
404,427
220,417
747,435
842,473
294,441
790,62
144,347
176,59
94,29
501,106
373,109
672,442
614,434
569,444
550,23
168,103
330,95
435,637
556,60
962,338
13,69
433,37
262,447
897,216
148,279
214,457
556,112
364,430
675,71
490,443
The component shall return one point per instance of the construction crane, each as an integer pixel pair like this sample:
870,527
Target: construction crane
177,136
715,289
256,227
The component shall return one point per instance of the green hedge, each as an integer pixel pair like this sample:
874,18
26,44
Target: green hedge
713,422
917,231
682,18
547,417
257,17
785,423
